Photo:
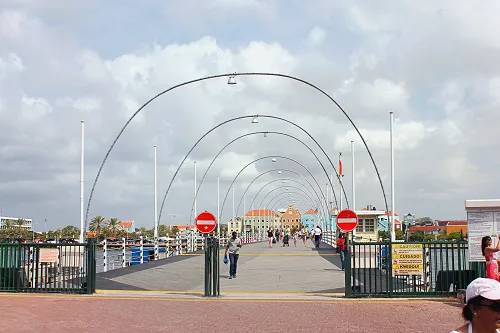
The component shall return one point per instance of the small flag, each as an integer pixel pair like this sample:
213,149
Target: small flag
341,172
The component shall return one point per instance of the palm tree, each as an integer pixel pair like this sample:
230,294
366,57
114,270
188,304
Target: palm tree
97,224
20,223
113,225
163,230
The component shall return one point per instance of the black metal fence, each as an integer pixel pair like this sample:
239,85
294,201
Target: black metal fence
417,269
48,268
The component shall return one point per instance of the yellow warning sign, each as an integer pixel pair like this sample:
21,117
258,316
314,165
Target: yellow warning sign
407,259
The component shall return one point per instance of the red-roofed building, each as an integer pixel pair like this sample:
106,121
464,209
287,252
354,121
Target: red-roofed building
428,230
127,226
260,220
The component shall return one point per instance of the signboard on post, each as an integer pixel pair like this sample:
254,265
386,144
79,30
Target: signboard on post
483,219
206,222
347,220
407,259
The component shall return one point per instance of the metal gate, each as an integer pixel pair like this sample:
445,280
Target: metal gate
48,268
444,270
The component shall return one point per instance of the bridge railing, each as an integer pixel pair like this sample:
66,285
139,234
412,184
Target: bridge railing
118,254
409,269
48,268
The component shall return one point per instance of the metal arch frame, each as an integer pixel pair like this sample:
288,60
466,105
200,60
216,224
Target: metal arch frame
301,192
299,199
319,204
287,179
233,75
282,186
288,186
286,200
283,179
254,116
307,199
282,201
240,137
281,169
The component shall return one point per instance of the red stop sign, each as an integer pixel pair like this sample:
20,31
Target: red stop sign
205,222
347,220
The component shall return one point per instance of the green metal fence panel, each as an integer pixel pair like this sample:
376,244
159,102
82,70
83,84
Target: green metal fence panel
47,268
440,269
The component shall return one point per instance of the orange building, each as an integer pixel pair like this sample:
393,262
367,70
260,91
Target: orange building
291,218
456,226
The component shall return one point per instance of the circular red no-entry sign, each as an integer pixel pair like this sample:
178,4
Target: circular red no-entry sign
347,220
205,222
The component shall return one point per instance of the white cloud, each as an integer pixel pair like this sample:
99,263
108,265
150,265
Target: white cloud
316,36
441,80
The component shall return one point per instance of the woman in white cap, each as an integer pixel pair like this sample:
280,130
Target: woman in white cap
482,310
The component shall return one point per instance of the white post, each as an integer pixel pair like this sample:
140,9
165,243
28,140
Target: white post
124,264
82,231
244,212
353,178
218,207
141,250
234,219
194,190
392,228
105,255
341,174
327,199
330,206
155,207
195,231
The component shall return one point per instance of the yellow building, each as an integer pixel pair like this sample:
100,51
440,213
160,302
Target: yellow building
235,225
260,220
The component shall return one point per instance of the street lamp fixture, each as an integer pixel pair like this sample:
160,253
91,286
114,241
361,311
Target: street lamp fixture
279,172
273,160
265,135
255,120
232,79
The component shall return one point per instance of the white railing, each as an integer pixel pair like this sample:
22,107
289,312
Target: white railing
126,253
329,238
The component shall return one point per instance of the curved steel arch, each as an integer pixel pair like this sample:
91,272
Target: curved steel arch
234,75
268,171
253,116
288,179
279,202
319,204
261,158
306,195
240,137
315,202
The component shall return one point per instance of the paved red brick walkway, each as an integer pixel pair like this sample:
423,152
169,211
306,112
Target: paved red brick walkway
28,313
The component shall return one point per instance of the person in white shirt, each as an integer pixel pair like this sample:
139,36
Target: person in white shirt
482,310
317,236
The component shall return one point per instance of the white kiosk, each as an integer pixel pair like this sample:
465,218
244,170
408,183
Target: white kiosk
483,219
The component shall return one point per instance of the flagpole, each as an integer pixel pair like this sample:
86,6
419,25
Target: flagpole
82,231
353,178
218,206
341,174
155,205
393,229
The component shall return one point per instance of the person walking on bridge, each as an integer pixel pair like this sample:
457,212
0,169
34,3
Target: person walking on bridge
233,247
317,236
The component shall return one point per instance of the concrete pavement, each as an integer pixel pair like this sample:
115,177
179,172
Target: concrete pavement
260,270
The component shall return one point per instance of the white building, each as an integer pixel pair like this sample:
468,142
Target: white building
28,223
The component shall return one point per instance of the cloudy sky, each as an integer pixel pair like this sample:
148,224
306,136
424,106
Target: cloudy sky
433,63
